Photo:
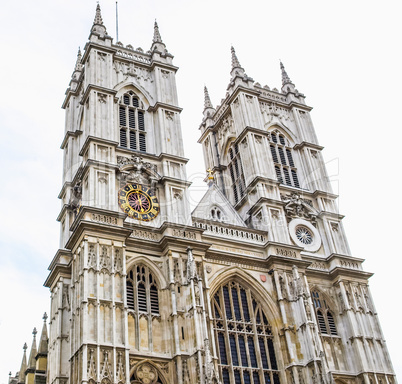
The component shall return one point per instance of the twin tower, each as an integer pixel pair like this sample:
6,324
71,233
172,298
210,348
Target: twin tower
256,286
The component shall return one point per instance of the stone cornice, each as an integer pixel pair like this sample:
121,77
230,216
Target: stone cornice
90,139
94,87
58,268
157,105
248,129
151,156
173,180
163,65
307,144
91,45
323,194
84,225
239,89
63,211
67,136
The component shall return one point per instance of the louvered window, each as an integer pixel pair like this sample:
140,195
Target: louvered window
243,337
325,319
321,322
236,173
123,138
142,291
285,169
331,324
130,295
131,122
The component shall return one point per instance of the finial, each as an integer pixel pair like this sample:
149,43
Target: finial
98,17
210,174
34,332
235,60
285,77
44,317
207,100
157,35
78,65
25,347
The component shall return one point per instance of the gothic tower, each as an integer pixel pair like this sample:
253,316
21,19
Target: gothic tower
272,188
115,314
256,285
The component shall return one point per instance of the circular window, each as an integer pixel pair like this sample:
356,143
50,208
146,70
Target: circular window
305,235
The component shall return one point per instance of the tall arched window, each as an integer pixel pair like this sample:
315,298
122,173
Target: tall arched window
325,319
142,291
131,122
236,173
243,337
285,169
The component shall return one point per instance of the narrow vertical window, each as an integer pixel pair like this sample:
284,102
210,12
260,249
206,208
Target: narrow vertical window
285,169
132,122
236,173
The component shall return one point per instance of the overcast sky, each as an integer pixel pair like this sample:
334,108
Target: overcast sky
344,56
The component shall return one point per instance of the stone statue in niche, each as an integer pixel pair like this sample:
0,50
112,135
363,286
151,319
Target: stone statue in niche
307,308
283,286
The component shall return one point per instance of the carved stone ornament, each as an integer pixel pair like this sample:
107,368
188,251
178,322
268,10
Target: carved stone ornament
146,374
136,170
76,195
298,207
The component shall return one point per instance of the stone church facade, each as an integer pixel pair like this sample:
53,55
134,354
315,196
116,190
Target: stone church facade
256,285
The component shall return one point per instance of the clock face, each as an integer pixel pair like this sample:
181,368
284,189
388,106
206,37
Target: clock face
139,202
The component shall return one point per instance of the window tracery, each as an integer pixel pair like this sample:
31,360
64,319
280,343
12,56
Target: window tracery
244,337
285,169
142,291
325,318
132,123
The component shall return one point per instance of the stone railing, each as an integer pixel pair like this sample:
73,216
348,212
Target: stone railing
230,233
133,56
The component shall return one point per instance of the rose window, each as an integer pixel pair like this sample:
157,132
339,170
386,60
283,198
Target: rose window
304,235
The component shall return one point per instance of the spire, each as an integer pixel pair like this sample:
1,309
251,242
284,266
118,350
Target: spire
98,28
285,77
207,100
43,337
157,35
235,60
21,375
78,65
32,355
209,110
238,75
287,85
158,47
98,17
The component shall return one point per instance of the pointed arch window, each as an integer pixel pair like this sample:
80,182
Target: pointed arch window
142,291
132,123
243,337
285,169
325,318
236,173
